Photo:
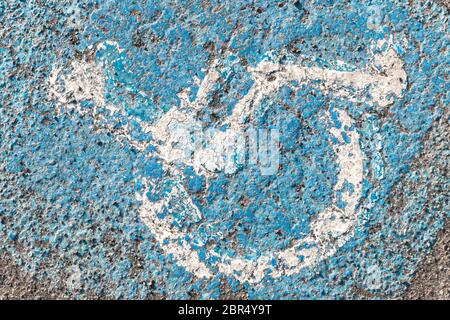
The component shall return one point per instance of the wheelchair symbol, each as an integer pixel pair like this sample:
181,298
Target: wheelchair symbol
377,83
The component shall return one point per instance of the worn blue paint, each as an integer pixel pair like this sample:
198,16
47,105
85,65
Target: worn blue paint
68,191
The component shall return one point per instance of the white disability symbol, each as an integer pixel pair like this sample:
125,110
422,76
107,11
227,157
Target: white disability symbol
331,228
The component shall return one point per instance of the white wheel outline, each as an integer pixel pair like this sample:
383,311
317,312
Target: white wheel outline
333,226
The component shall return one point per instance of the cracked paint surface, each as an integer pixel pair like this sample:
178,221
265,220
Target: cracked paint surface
100,101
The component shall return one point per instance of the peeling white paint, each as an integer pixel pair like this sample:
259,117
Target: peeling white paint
331,228
85,81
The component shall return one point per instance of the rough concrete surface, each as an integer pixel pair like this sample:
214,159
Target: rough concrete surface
432,280
224,149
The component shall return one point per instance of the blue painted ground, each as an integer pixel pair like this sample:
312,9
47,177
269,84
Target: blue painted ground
67,195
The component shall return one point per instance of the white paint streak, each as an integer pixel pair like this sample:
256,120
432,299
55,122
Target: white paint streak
167,234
